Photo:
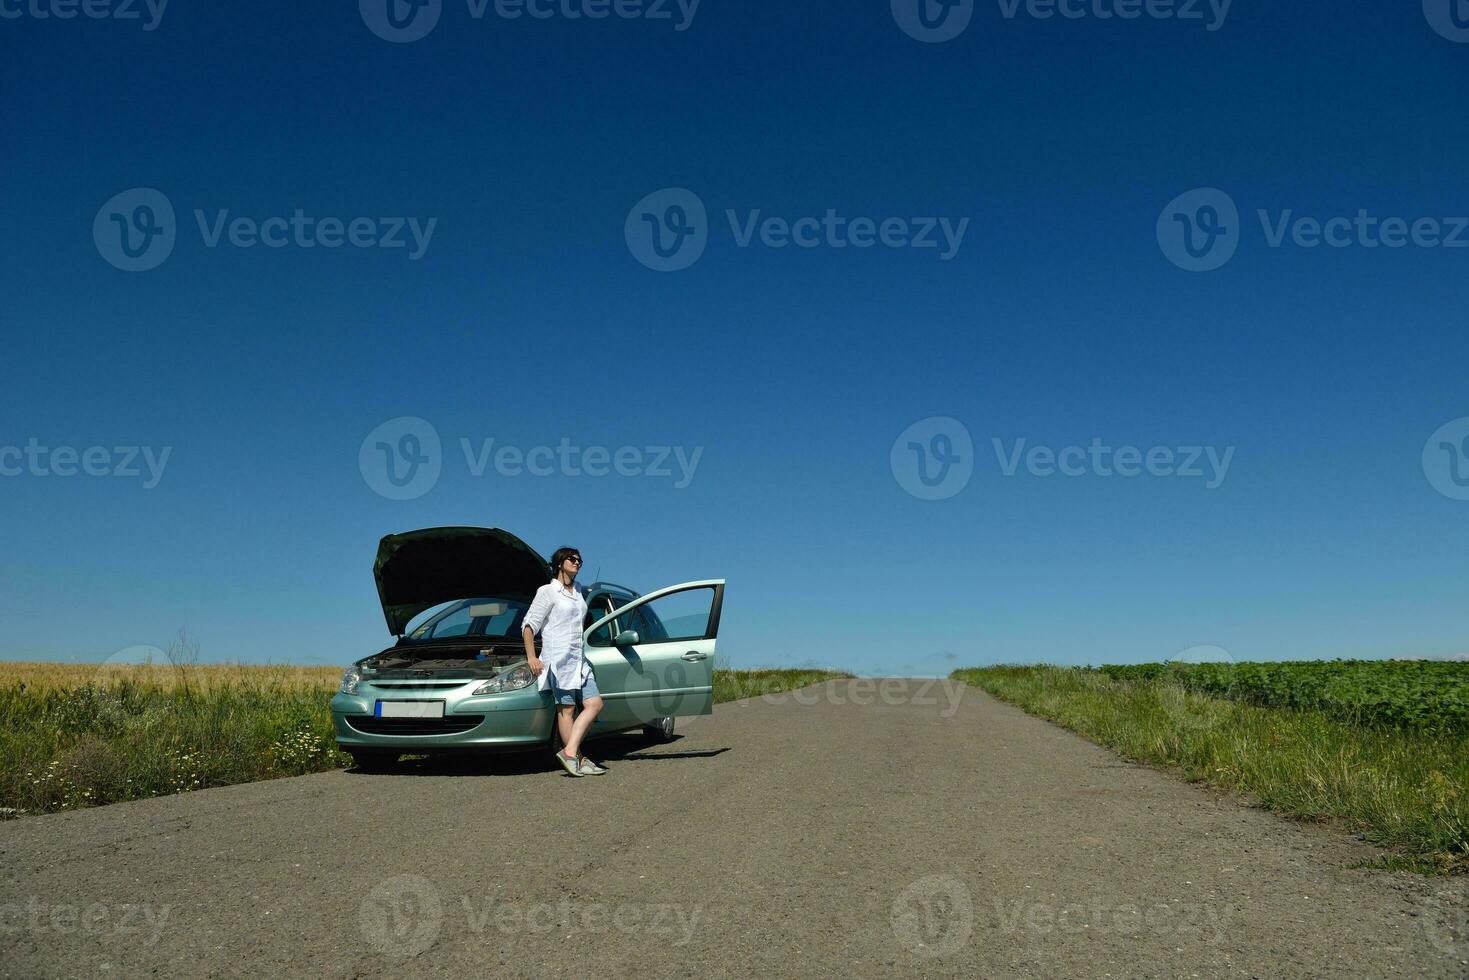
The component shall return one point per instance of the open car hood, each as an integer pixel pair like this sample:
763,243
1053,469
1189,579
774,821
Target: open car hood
417,570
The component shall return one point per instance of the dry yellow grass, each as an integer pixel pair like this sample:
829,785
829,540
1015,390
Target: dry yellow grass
54,676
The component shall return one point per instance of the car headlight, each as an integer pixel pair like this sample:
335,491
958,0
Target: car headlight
350,677
511,680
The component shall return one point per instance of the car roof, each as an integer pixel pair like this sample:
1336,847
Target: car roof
612,587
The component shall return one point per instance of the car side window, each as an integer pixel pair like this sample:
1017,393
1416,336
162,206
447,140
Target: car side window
603,636
645,621
597,607
680,615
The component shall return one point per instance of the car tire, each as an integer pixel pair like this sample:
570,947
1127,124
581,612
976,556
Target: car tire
373,760
660,730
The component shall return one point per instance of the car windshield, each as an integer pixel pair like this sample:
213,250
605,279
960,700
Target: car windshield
485,617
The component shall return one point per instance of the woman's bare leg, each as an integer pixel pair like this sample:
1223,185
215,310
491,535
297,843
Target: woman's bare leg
579,728
564,715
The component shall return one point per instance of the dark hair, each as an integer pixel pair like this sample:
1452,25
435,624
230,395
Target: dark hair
560,555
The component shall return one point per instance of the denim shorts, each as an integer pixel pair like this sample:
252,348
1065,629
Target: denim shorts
561,695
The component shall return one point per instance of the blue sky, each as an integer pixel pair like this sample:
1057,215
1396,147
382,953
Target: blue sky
528,318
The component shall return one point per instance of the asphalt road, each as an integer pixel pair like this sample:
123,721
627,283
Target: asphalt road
913,828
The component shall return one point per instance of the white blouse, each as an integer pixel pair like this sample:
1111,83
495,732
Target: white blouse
558,615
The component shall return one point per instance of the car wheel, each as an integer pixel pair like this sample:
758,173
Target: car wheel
374,760
661,729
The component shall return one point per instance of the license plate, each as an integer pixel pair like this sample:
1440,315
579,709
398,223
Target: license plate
410,709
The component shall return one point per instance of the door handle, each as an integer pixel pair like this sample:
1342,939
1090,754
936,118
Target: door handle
693,655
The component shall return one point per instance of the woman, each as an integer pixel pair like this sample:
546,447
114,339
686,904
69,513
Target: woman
557,613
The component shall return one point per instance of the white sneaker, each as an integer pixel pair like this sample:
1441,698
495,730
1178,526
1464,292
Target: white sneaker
589,768
570,765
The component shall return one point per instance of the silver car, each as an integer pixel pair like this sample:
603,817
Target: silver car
459,680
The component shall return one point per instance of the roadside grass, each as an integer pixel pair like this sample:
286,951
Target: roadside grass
78,735
1401,788
731,685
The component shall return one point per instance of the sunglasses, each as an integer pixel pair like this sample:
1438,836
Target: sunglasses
575,558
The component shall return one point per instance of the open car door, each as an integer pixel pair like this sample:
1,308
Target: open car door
654,657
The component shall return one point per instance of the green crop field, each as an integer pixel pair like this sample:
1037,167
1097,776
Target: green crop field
1428,695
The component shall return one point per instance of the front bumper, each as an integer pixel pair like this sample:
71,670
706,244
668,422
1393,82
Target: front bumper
515,719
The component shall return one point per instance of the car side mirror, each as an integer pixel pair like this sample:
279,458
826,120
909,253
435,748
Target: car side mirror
627,638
